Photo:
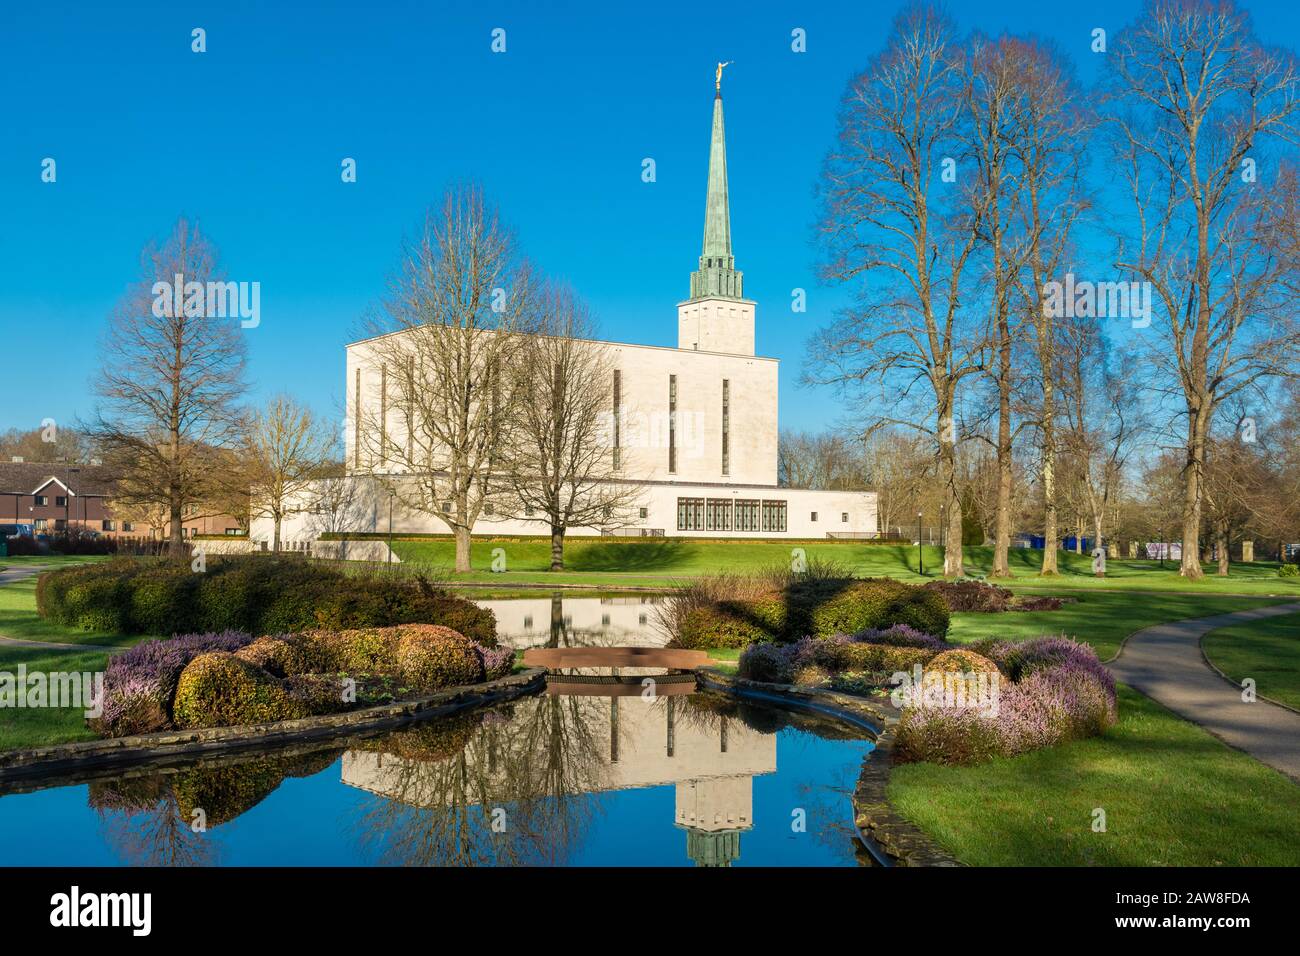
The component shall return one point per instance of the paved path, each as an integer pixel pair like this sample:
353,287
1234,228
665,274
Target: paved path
27,571
1165,663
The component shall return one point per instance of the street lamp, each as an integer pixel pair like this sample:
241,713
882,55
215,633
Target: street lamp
920,555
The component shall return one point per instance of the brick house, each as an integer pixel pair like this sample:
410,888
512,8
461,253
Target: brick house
45,498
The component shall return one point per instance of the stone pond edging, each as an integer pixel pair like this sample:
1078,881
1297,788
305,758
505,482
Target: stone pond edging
891,839
91,755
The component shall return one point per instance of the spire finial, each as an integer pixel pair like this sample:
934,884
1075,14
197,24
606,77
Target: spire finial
717,77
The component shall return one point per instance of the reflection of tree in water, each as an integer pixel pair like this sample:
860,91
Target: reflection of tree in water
148,819
537,766
143,824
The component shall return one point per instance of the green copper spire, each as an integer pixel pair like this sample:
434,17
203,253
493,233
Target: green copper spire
717,275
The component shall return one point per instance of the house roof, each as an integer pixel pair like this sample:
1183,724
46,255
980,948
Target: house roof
28,477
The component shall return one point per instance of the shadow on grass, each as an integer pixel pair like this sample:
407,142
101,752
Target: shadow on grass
656,555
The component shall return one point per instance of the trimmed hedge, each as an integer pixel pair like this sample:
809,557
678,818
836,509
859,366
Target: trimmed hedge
256,595
211,680
817,608
218,689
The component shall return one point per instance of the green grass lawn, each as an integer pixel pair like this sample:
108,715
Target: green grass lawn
53,560
19,620
40,726
34,727
1099,618
1173,796
655,562
1267,650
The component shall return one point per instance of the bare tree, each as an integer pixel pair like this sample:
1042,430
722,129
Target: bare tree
1052,123
443,411
884,227
171,378
286,450
1102,415
994,101
1199,104
561,462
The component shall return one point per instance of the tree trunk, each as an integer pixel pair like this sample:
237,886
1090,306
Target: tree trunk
462,549
177,537
1078,534
952,557
1002,520
1222,542
1050,530
557,547
275,537
1190,565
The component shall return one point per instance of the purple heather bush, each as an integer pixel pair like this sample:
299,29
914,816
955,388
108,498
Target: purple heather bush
1060,692
496,661
139,683
901,635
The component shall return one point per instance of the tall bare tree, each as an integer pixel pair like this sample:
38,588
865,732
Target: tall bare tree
171,380
1052,124
885,188
287,448
1200,106
560,463
442,405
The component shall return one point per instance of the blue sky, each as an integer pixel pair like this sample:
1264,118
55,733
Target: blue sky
247,138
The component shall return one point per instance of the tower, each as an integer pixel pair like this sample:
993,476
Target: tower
717,317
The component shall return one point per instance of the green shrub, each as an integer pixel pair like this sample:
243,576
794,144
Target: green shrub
365,650
220,690
162,600
288,655
735,612
430,658
880,603
720,626
874,657
1289,571
255,595
963,662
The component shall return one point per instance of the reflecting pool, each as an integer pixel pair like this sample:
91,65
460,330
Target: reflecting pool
537,618
678,780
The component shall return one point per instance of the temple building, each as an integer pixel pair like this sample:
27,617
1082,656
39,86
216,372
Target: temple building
696,425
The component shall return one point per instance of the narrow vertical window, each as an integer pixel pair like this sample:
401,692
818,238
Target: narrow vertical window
383,412
672,424
356,423
410,412
618,415
726,427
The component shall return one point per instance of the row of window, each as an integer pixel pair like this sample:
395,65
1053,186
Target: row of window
727,514
43,501
740,514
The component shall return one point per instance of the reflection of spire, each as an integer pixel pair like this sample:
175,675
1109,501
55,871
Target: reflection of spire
719,848
714,813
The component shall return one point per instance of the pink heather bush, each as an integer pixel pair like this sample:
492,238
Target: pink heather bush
1059,692
901,635
140,683
496,661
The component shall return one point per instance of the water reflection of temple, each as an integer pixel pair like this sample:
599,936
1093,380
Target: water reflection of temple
561,620
709,759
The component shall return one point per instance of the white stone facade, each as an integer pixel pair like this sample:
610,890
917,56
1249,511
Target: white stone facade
696,432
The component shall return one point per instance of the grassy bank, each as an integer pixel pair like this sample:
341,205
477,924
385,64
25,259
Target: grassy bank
656,561
37,727
1173,796
19,620
1100,618
1267,650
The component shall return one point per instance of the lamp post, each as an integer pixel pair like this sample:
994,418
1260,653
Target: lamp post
389,559
920,555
